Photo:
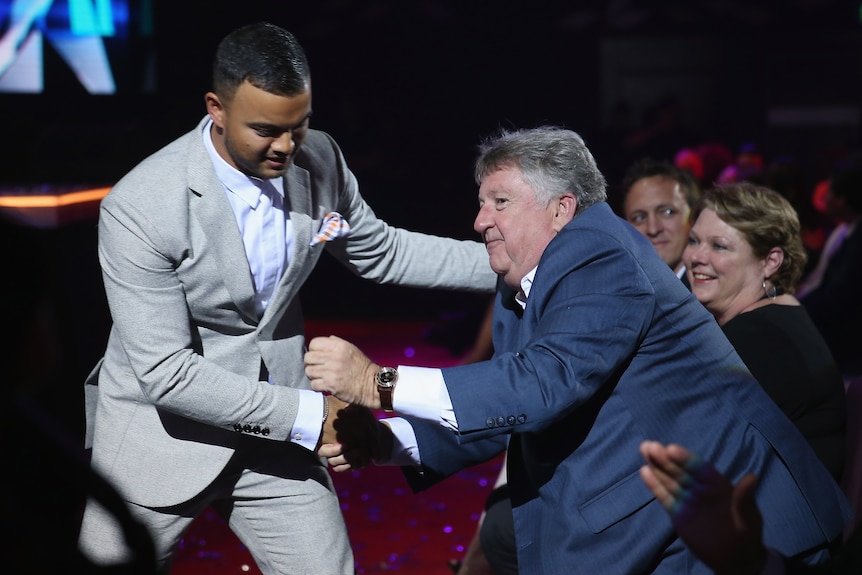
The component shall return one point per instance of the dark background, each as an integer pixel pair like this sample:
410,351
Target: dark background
408,89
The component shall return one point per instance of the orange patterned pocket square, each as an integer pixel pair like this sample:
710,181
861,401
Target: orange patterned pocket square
334,226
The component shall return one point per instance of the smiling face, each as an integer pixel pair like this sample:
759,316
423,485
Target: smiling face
257,132
657,207
724,273
515,227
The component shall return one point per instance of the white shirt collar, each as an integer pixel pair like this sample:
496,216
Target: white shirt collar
245,187
681,271
526,286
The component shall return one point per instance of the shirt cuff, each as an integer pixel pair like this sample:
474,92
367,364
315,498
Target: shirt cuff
421,392
308,425
405,451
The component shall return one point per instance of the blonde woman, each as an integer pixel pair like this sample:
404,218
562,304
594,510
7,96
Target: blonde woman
744,258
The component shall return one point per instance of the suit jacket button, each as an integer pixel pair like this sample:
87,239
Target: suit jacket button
246,428
256,430
264,431
489,422
237,427
522,418
501,421
510,420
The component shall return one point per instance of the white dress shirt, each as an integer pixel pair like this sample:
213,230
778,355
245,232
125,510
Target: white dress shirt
421,392
267,235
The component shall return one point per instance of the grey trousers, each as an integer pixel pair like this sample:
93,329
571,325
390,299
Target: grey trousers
283,509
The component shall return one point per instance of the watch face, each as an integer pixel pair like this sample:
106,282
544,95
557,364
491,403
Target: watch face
387,377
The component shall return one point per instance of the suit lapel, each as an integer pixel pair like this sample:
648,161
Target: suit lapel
210,206
506,327
297,192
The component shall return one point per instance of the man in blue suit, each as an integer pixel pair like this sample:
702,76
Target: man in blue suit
598,347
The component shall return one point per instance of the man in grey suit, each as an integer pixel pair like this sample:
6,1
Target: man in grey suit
201,397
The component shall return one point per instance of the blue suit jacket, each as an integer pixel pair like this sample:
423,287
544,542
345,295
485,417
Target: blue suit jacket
612,349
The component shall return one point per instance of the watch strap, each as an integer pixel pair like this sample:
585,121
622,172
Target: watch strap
386,398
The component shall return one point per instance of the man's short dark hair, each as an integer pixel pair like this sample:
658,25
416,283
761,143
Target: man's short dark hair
648,168
267,56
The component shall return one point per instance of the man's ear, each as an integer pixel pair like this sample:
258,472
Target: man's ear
565,210
215,109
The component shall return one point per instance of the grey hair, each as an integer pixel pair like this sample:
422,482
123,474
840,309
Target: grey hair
552,161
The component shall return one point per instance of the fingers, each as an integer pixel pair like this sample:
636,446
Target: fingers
335,457
357,437
339,464
338,367
318,377
320,351
745,489
354,459
679,455
340,468
330,450
665,473
662,494
319,385
667,462
324,343
744,503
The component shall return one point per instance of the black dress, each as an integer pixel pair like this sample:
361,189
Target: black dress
788,356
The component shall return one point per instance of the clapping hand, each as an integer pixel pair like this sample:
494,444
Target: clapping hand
718,521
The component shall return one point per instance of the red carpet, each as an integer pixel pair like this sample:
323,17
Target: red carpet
390,527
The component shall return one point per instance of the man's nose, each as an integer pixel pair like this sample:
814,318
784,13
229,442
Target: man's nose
482,221
284,143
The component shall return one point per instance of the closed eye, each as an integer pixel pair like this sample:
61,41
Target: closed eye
267,131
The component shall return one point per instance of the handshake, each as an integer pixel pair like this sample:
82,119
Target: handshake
352,435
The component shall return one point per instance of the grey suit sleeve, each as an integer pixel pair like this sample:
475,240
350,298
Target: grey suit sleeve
387,254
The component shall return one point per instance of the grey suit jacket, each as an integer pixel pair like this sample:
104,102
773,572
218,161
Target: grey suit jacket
180,381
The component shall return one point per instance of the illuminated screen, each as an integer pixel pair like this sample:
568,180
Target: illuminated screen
101,42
